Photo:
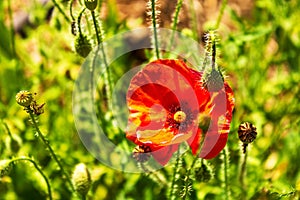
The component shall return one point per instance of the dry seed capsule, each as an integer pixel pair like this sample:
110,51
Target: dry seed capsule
247,134
141,153
24,98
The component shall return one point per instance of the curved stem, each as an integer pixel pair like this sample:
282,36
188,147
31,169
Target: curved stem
61,10
79,21
52,153
71,10
38,169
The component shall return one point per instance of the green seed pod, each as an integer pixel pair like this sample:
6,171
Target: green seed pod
24,98
204,122
91,4
81,179
83,45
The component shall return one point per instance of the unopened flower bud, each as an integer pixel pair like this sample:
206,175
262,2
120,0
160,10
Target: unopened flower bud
24,98
83,45
203,173
81,179
91,4
214,81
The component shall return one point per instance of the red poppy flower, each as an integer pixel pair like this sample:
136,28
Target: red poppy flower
167,102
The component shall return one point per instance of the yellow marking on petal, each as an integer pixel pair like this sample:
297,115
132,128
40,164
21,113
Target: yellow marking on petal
161,137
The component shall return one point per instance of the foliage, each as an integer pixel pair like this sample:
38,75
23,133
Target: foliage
259,52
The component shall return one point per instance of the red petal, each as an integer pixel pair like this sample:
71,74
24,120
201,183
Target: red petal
163,155
194,142
151,94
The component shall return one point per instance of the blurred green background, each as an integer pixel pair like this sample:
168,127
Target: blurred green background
259,47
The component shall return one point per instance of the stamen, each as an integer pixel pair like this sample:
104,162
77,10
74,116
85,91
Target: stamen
179,116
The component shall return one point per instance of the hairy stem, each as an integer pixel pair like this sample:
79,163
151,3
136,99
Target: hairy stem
38,169
188,174
243,173
153,15
52,153
176,176
194,20
79,21
225,168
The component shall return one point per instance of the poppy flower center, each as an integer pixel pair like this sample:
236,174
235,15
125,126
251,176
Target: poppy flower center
179,116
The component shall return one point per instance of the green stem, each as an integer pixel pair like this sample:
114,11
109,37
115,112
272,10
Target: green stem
176,175
225,162
175,20
107,76
187,178
155,175
194,20
153,15
38,169
213,57
79,21
243,174
71,10
61,11
47,144
7,129
224,3
99,42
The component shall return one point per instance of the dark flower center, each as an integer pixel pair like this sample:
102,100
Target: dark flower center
179,118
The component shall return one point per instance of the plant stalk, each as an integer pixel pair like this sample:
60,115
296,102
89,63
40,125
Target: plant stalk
61,11
154,24
38,169
52,153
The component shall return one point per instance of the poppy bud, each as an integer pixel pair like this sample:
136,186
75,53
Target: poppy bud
91,4
83,46
214,81
203,173
81,179
24,98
